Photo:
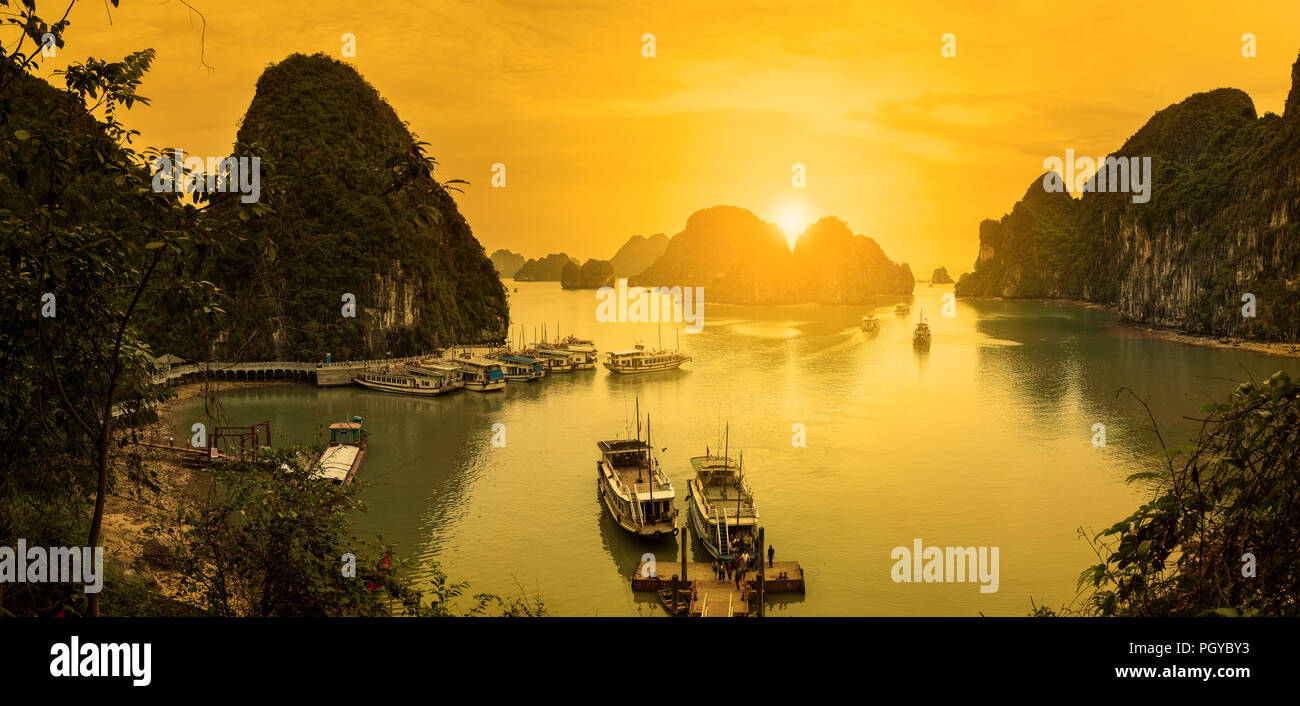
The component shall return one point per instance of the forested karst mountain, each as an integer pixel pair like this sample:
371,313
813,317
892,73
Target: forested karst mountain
739,258
342,223
506,262
1221,223
638,253
546,269
593,274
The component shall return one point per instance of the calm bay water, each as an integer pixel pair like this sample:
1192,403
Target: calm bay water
986,440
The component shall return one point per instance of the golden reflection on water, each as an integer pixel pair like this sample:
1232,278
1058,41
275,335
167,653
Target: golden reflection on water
983,440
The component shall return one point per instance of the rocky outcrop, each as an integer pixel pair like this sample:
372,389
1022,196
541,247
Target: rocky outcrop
638,253
1216,229
341,230
506,263
941,276
739,258
547,269
593,274
835,266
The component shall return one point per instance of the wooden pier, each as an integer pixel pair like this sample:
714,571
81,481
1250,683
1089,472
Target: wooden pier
691,589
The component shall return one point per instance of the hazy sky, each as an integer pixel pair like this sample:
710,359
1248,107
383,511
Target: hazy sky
601,142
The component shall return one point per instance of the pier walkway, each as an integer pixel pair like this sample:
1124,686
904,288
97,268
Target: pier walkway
705,596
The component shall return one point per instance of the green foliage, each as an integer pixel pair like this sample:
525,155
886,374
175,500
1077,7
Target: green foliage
356,209
82,231
270,541
1235,490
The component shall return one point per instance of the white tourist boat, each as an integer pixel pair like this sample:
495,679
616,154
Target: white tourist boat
482,374
452,374
639,360
520,368
583,354
721,506
407,380
902,309
556,360
636,492
870,323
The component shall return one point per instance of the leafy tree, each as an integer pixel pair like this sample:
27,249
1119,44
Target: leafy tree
1222,534
88,242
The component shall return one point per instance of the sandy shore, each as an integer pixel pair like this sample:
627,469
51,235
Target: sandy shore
151,492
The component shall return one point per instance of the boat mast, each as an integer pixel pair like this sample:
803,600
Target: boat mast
648,461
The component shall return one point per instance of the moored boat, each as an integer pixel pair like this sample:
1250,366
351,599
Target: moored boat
639,360
556,360
635,491
482,374
720,507
520,368
404,381
342,458
582,352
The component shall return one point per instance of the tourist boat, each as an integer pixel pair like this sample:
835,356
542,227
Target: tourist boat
870,323
556,360
902,309
482,374
452,374
721,506
921,335
635,491
342,458
640,360
519,368
404,381
582,352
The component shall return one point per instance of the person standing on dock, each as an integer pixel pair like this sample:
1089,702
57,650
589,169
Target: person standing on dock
171,441
771,552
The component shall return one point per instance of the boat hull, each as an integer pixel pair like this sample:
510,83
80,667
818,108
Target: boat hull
402,390
643,369
489,386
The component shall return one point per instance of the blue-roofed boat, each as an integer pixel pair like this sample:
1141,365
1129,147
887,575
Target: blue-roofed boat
521,368
482,374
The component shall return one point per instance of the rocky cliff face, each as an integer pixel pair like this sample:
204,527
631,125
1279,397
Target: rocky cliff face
1217,227
941,276
741,259
340,226
547,269
593,274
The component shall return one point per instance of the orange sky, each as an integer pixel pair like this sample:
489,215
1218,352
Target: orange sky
601,143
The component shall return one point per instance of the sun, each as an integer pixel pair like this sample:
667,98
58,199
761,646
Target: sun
792,221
